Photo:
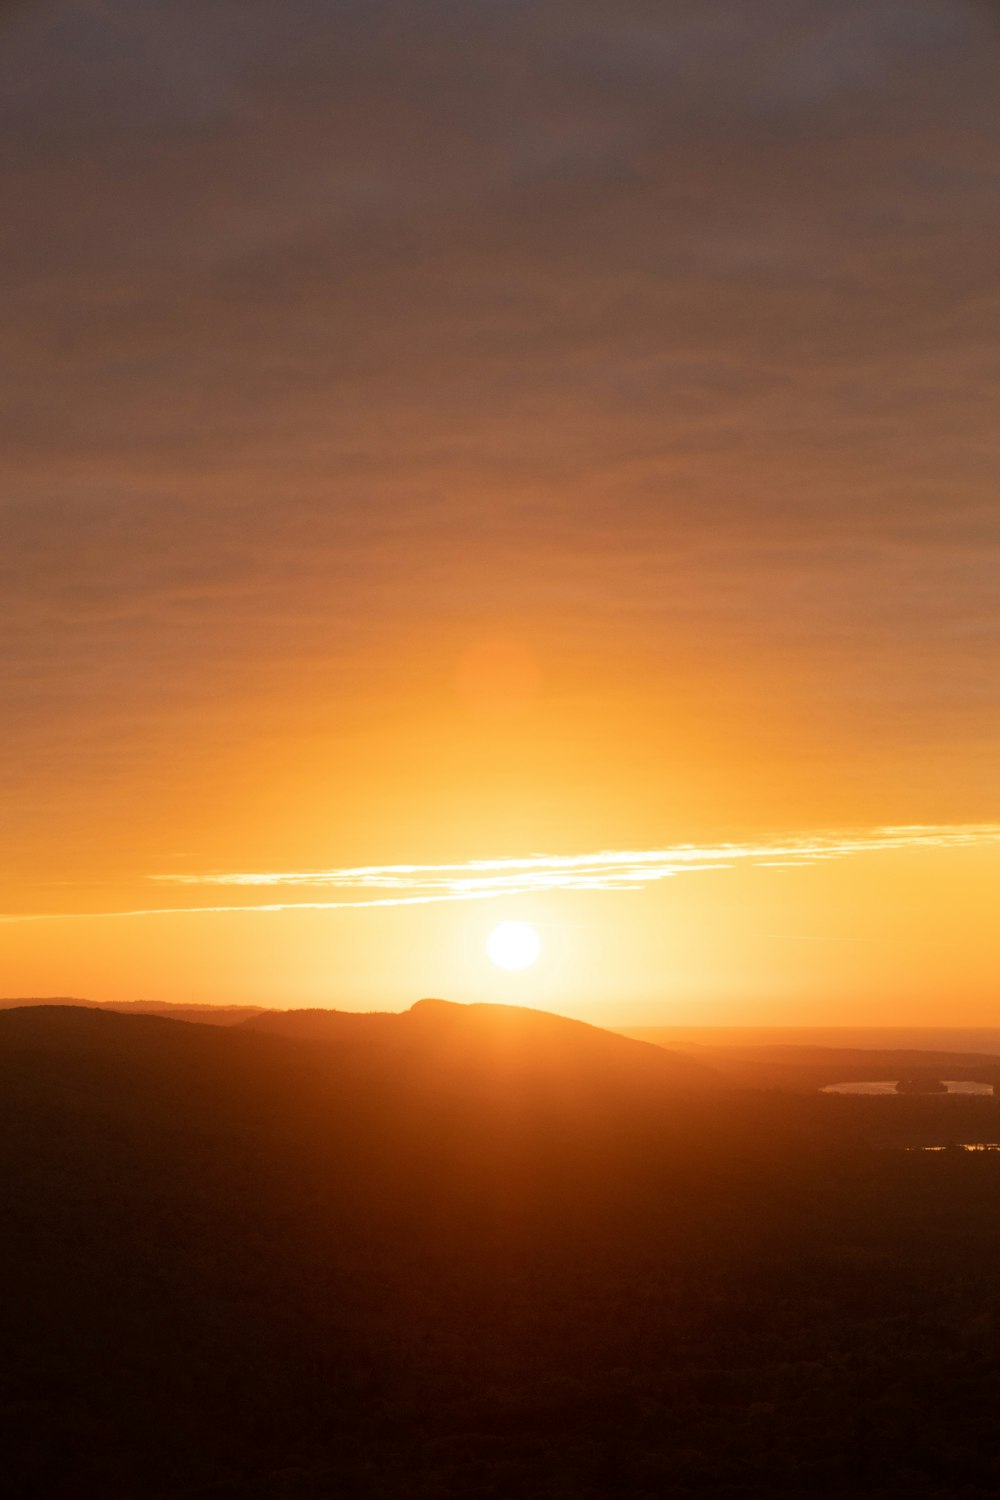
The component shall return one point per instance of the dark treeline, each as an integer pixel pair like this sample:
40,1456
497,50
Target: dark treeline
490,1259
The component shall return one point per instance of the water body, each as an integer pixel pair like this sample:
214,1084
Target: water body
888,1086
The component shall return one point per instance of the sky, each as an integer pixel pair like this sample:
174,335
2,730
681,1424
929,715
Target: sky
556,442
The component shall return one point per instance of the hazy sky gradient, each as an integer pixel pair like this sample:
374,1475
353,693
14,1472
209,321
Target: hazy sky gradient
442,432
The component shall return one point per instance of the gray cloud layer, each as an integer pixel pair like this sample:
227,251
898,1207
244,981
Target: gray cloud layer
672,320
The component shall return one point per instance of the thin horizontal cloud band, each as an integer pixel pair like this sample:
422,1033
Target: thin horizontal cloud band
486,879
606,870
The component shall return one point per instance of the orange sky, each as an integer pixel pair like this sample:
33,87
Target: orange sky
455,433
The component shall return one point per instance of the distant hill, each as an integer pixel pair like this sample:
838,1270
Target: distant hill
771,1059
954,1039
208,1015
19,1002
507,1043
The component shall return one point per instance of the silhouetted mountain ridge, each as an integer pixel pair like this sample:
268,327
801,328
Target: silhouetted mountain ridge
211,1015
507,1041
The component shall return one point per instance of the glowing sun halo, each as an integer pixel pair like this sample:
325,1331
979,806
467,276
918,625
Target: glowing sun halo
513,945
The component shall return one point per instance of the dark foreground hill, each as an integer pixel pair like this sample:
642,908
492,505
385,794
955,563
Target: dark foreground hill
249,1265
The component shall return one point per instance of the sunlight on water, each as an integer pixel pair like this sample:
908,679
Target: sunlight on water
888,1086
959,1146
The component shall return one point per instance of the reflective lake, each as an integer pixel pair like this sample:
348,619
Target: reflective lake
888,1086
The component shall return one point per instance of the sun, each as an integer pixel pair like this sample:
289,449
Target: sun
514,945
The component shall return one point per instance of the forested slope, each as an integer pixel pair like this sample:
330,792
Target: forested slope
244,1264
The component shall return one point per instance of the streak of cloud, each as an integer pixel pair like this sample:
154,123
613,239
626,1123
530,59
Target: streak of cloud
488,879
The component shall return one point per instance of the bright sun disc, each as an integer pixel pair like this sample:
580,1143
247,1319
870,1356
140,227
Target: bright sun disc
513,945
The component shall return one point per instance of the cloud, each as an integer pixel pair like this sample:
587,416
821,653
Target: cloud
488,879
657,328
